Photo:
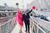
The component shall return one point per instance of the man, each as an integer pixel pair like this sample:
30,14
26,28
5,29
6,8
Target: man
26,20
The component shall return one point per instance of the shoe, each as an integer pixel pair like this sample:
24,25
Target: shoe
20,32
26,32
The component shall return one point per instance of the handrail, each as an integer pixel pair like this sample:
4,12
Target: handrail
5,23
42,23
9,25
39,27
7,16
6,19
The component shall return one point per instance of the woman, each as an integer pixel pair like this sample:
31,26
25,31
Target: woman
19,19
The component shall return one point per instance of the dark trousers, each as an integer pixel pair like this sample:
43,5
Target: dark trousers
27,25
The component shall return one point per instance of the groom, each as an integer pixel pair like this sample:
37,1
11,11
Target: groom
26,20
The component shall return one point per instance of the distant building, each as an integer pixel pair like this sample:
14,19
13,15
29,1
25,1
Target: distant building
6,7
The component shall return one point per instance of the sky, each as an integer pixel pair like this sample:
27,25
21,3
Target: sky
12,2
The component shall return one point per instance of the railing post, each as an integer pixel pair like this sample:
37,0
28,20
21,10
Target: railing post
12,22
48,31
8,27
32,28
37,29
0,29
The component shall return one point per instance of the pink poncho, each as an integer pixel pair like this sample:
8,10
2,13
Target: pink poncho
19,18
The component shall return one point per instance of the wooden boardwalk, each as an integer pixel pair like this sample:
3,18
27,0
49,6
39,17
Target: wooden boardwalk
16,29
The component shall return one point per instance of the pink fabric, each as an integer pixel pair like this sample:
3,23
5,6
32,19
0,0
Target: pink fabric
19,18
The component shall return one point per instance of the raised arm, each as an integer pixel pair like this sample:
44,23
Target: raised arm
30,11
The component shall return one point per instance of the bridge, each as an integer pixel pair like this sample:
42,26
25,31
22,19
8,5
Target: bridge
8,25
37,25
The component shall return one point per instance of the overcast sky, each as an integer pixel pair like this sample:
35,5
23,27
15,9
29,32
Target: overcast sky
12,2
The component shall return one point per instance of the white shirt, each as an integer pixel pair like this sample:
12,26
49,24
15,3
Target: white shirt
25,14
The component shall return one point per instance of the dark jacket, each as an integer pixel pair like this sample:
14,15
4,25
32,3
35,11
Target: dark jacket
26,18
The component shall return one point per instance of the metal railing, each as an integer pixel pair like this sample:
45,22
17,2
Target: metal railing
7,26
39,26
